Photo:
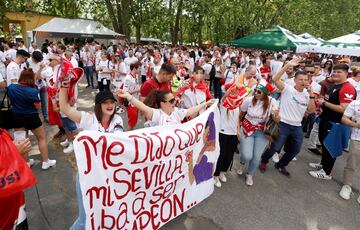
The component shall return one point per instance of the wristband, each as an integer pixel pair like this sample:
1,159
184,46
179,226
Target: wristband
65,84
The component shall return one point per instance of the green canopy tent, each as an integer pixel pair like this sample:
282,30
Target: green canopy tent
276,39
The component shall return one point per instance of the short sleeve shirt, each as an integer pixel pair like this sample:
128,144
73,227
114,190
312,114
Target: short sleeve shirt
353,111
89,121
337,94
151,85
293,105
160,118
23,99
255,113
12,72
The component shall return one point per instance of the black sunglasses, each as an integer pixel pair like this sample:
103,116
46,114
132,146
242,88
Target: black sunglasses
50,60
257,91
310,72
171,101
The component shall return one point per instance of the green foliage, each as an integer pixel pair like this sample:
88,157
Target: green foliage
198,20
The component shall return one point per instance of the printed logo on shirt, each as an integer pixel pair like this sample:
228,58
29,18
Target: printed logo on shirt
298,102
348,96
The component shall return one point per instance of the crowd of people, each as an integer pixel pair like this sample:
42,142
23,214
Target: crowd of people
268,101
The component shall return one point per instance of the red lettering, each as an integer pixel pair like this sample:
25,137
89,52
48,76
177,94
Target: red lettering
110,153
124,182
166,145
134,180
140,140
163,212
110,219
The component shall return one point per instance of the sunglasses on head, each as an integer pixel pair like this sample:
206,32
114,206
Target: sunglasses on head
171,101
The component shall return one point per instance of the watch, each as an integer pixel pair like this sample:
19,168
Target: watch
312,97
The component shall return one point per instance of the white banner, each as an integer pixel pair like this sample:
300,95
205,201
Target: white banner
144,178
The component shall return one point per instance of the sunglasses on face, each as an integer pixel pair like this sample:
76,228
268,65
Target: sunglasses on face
171,101
257,91
310,72
50,60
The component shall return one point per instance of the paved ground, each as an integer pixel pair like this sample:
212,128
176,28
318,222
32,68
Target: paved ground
274,202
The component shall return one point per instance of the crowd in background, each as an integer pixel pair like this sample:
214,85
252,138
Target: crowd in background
268,101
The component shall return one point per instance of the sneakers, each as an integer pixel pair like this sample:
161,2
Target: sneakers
69,149
47,164
240,171
345,192
217,182
262,167
294,159
31,162
249,180
315,151
358,199
222,177
282,170
275,158
65,143
320,174
316,166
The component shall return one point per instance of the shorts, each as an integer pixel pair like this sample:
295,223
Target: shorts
132,113
68,124
27,121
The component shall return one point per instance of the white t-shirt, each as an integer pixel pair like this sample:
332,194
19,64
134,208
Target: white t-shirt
255,113
88,121
10,54
118,80
353,111
356,85
229,76
275,66
1,78
293,105
131,83
128,61
192,98
314,85
319,78
207,69
107,66
160,118
229,120
87,57
13,71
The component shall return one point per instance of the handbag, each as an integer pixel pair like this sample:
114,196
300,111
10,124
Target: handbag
271,129
6,113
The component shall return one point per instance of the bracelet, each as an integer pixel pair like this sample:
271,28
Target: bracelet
312,97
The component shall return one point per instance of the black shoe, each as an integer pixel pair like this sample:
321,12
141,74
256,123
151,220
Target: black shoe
88,86
315,151
282,170
307,135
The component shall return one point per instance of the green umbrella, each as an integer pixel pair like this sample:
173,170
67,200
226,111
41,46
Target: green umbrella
276,38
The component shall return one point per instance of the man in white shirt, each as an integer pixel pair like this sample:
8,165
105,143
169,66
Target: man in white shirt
22,46
318,76
132,86
10,54
276,65
294,102
88,58
13,70
351,118
207,66
130,59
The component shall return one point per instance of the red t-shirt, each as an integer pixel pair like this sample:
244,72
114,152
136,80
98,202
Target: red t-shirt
151,85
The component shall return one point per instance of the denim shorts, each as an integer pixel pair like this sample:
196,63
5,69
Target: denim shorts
68,124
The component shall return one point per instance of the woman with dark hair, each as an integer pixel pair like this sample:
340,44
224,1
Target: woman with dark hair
104,119
255,112
26,102
328,66
164,111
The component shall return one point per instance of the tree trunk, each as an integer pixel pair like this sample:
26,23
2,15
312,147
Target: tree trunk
199,30
114,19
138,33
177,23
125,19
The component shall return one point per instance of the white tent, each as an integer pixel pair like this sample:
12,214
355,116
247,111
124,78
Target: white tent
353,38
311,38
74,28
148,40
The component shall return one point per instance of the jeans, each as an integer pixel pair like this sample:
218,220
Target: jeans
308,123
68,124
288,133
251,149
44,101
89,75
217,88
79,223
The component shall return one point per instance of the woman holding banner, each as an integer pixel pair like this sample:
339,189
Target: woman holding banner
104,119
165,111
